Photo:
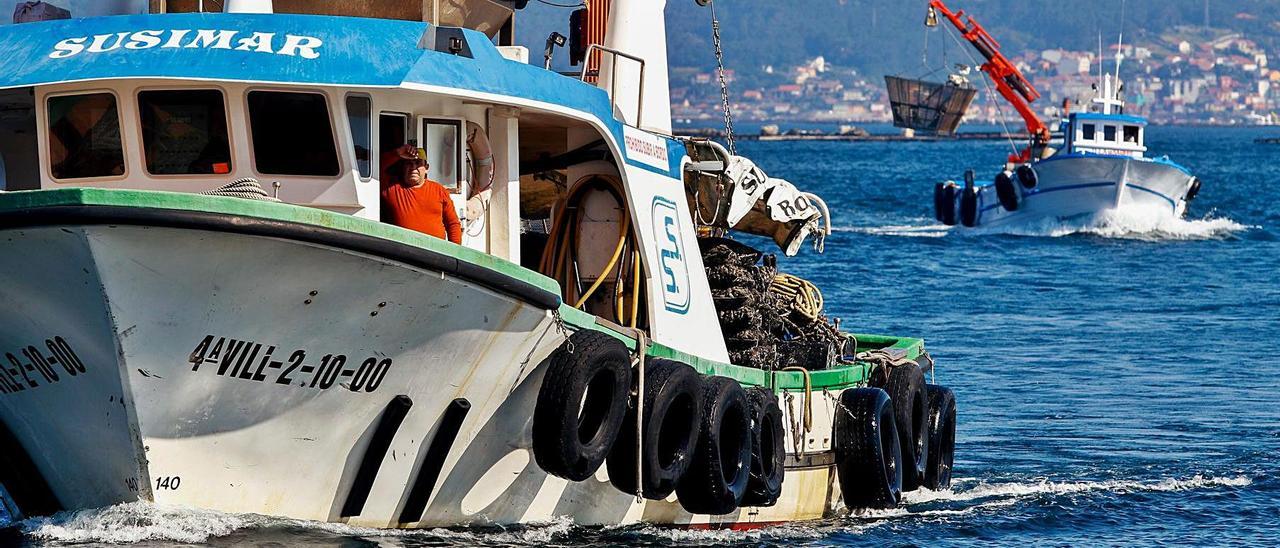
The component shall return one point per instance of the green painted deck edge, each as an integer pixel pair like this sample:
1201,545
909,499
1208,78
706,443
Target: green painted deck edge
836,378
24,200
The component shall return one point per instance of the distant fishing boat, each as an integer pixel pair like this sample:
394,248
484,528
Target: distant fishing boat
1102,164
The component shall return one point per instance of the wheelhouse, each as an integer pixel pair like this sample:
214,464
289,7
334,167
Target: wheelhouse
1110,134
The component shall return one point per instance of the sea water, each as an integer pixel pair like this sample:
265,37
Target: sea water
1117,377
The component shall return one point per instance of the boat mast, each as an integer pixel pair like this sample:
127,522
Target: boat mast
1009,81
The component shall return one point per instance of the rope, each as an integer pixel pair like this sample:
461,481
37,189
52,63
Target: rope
642,347
724,85
808,397
247,188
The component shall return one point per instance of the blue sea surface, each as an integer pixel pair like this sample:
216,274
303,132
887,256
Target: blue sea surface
1117,377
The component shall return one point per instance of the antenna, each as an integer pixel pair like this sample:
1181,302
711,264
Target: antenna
1120,44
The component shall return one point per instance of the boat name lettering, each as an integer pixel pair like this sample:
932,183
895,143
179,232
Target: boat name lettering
645,147
253,361
290,45
33,367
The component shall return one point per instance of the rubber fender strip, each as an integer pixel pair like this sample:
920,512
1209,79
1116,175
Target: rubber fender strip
24,482
388,425
429,473
252,226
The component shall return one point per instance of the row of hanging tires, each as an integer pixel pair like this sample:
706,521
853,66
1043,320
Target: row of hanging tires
894,437
719,446
954,204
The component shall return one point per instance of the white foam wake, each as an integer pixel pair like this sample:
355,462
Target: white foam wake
1132,223
984,491
1129,224
143,522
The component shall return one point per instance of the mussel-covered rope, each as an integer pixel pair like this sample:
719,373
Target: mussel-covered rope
247,188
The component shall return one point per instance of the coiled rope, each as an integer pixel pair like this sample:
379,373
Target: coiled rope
247,188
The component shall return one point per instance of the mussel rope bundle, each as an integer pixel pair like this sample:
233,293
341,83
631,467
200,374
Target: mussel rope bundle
581,405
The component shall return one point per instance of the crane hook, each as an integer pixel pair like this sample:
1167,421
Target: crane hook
931,20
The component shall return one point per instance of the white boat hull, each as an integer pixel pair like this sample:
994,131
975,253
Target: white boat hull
162,414
1075,187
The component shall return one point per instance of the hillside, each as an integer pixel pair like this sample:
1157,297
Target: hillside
887,36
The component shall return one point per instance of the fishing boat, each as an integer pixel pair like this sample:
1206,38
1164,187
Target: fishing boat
203,307
1100,163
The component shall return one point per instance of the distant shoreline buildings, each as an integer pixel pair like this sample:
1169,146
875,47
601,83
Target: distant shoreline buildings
1185,76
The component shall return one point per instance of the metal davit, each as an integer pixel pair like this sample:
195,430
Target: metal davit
928,106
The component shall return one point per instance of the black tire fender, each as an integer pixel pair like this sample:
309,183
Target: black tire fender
942,437
906,388
721,469
1193,190
671,418
1027,176
581,405
945,205
969,207
1006,191
768,450
868,454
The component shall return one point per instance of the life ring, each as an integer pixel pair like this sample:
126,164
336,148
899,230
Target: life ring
721,468
969,207
1006,192
479,159
942,437
672,412
581,405
868,455
906,387
1027,176
768,452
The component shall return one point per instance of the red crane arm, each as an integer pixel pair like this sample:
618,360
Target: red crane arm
1009,81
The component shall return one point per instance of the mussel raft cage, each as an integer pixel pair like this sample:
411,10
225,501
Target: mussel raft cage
928,107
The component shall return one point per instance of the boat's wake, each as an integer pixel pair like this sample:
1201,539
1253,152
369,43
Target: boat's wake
142,522
1129,224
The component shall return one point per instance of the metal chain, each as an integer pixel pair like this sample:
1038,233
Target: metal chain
724,85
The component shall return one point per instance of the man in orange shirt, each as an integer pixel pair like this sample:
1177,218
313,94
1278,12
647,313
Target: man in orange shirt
412,201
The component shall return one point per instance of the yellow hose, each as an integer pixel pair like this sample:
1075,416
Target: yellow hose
613,261
635,292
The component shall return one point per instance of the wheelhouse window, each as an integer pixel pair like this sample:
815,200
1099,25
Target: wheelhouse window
360,115
184,132
1109,133
442,141
84,136
292,134
1090,132
1131,134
